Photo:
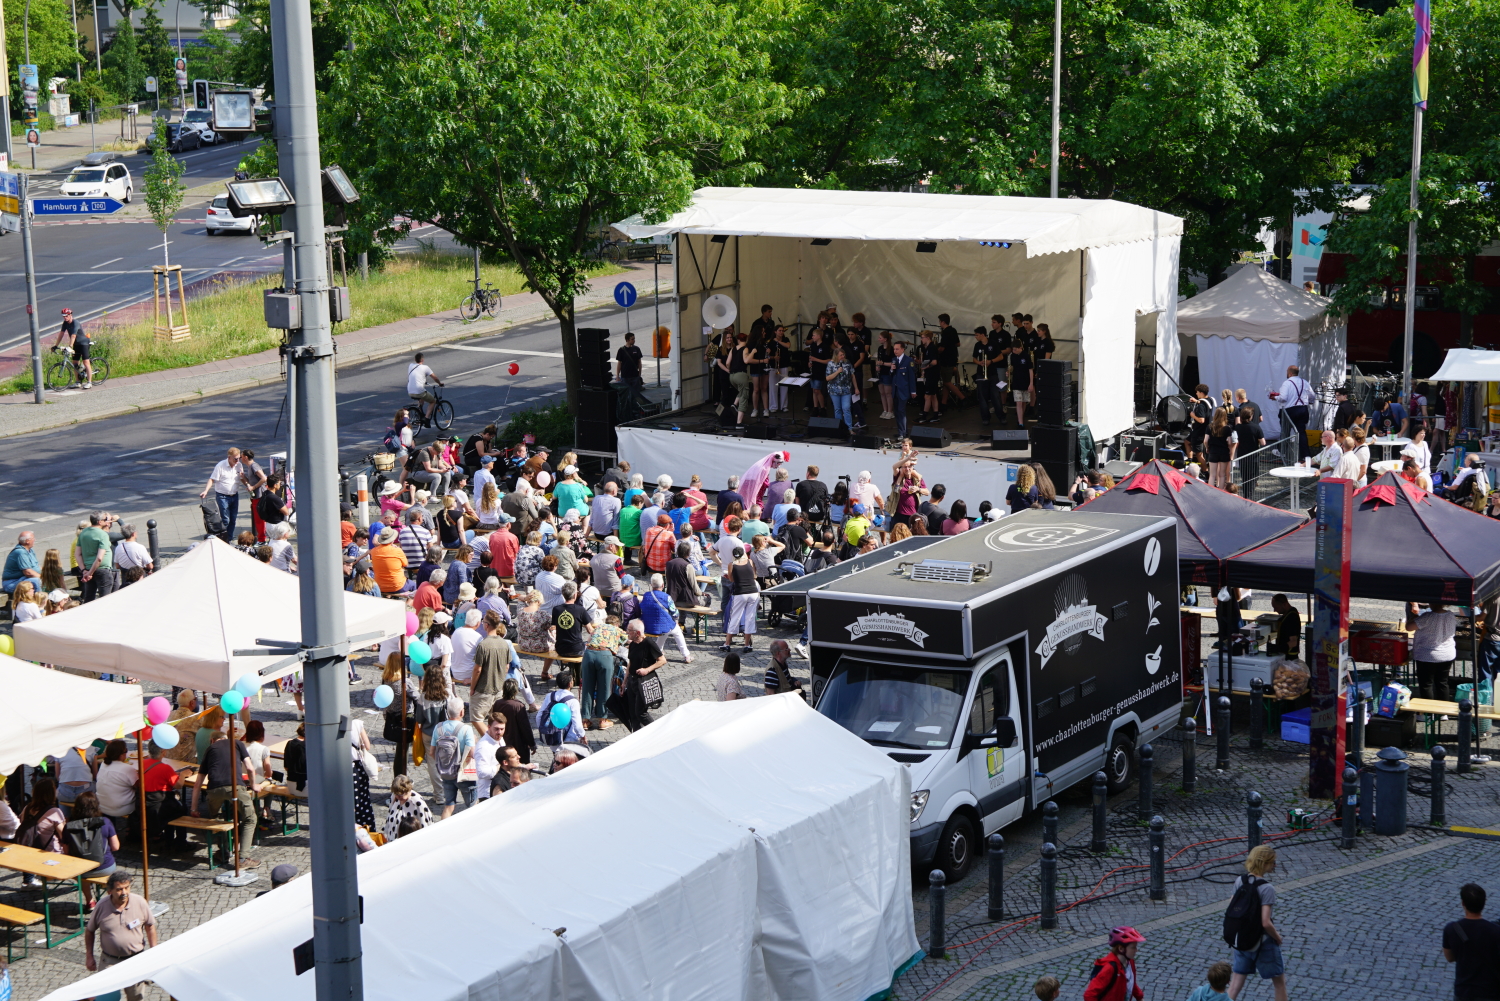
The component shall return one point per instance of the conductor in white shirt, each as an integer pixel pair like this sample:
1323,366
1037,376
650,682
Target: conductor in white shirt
1295,396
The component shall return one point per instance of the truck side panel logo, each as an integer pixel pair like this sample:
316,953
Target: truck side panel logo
1054,535
887,622
1075,617
1153,556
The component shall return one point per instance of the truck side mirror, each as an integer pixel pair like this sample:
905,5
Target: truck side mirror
1004,735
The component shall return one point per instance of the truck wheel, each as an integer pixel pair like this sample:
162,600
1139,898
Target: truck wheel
1119,764
956,849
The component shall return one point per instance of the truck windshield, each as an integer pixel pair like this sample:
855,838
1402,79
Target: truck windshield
894,706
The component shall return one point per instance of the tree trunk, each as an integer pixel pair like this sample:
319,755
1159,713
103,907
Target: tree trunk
571,374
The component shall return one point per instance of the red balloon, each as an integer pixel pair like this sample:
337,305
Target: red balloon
514,369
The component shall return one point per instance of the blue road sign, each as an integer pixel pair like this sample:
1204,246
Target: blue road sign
75,206
625,294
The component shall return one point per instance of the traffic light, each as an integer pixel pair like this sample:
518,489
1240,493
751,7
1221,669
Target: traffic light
200,93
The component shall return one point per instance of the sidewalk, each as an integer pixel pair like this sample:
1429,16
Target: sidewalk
172,387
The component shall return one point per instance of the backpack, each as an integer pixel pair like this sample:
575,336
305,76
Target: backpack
546,729
85,839
1242,927
447,753
1109,962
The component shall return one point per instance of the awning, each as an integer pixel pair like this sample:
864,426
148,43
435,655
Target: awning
1252,304
1467,365
1044,225
46,712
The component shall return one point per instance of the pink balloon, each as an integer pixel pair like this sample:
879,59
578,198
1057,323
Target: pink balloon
157,710
411,623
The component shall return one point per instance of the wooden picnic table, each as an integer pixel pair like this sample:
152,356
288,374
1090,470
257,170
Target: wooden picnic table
49,866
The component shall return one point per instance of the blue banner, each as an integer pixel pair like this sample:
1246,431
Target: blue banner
75,206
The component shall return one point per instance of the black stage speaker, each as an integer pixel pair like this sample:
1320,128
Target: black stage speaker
1054,371
1012,441
868,441
928,437
760,431
593,357
596,429
1056,448
826,427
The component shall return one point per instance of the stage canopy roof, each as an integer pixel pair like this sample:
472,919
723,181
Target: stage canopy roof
1408,546
1044,225
1212,524
1466,365
1251,303
46,712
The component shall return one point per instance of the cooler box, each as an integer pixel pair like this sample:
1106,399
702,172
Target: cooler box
1382,732
1296,726
1386,648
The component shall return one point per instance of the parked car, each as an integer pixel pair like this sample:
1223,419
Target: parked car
179,138
219,219
198,120
107,181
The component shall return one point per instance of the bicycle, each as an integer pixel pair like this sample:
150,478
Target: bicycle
482,300
442,413
63,372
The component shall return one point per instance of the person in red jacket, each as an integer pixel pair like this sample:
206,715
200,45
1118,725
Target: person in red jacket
1114,975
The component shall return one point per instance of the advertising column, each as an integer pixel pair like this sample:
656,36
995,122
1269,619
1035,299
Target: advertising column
1330,635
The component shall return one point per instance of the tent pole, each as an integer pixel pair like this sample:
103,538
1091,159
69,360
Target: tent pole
140,760
234,795
399,767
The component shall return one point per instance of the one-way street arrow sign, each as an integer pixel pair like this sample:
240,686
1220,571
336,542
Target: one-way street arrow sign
75,206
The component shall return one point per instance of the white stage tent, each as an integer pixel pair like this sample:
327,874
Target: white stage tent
46,712
1090,269
181,625
755,850
1468,365
1251,326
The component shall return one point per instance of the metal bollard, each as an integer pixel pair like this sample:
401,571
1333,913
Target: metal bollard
1257,714
1221,720
1190,755
1158,859
1101,812
1357,732
153,543
1465,736
1049,823
1252,813
1390,783
1351,805
1049,885
937,914
1367,798
997,877
1439,793
1147,764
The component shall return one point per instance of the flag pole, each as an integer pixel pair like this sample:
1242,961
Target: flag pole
1421,12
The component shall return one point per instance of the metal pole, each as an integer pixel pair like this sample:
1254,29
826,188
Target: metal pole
997,878
140,757
1056,87
1158,838
1257,714
937,914
1101,810
1465,724
77,69
1252,816
1147,765
1439,816
1049,886
1351,806
38,394
1049,822
1411,252
1222,712
1190,755
153,542
325,638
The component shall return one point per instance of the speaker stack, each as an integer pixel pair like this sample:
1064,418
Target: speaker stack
928,437
596,398
1010,441
826,427
1054,440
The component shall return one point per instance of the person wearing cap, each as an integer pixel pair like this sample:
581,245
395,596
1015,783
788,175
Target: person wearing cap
607,567
389,564
280,876
79,344
485,473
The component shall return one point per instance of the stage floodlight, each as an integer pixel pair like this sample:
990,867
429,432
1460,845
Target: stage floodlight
232,111
821,243
927,248
337,187
264,196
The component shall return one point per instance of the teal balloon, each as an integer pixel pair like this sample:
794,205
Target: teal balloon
231,702
384,696
418,652
562,715
164,735
248,685
417,670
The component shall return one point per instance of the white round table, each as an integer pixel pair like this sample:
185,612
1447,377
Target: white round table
1387,466
1388,442
1296,474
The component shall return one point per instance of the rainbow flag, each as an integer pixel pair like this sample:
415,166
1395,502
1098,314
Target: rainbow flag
1421,11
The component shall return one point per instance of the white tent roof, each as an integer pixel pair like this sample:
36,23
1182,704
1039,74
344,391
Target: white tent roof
756,850
46,712
1044,225
1468,365
1251,303
180,625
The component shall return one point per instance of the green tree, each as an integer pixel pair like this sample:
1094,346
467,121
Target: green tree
541,122
157,54
163,185
52,35
123,72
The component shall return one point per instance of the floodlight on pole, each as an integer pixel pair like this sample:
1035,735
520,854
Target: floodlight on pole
337,187
262,196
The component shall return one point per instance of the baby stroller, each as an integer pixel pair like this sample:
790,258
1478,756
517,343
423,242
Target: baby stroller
791,605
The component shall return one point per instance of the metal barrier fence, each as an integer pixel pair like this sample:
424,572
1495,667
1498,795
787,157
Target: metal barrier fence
1251,473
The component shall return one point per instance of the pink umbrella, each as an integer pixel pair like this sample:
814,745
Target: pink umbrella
758,477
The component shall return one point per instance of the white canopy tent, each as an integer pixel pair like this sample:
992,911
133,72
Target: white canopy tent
1087,268
1251,326
46,712
757,851
182,624
1468,365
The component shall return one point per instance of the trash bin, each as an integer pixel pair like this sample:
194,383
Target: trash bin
1390,791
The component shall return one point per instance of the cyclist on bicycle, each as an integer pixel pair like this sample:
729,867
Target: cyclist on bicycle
79,344
417,375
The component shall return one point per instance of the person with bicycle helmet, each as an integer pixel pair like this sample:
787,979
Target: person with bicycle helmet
417,375
1114,977
79,344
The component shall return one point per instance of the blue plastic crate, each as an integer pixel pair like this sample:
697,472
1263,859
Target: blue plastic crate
1297,726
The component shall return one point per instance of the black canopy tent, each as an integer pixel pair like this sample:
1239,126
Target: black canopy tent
1212,525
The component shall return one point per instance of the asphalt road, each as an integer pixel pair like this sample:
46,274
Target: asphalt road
166,455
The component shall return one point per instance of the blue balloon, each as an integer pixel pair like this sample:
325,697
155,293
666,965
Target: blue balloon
164,735
384,696
248,685
416,670
418,652
562,715
231,702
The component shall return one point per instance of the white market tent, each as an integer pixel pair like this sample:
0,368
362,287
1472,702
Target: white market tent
1468,365
756,850
1098,272
182,624
46,712
1251,326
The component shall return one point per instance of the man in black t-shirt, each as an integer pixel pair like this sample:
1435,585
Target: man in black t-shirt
78,342
932,509
794,533
1473,946
478,446
215,772
568,620
812,495
948,346
628,363
1345,414
1286,638
765,327
989,362
1020,378
819,353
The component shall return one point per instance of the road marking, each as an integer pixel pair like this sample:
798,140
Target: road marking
163,490
169,444
48,517
79,510
49,281
107,262
358,398
507,351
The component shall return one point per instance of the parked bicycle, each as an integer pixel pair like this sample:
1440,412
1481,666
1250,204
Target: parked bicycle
63,372
442,413
482,300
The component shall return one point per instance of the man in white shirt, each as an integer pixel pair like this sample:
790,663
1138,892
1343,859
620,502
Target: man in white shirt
417,375
224,481
1349,466
1296,396
1327,459
465,641
487,755
131,555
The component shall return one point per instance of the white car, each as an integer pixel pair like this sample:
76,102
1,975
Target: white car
198,120
107,181
219,219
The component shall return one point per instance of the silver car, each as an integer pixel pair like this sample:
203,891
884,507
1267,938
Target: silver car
220,220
